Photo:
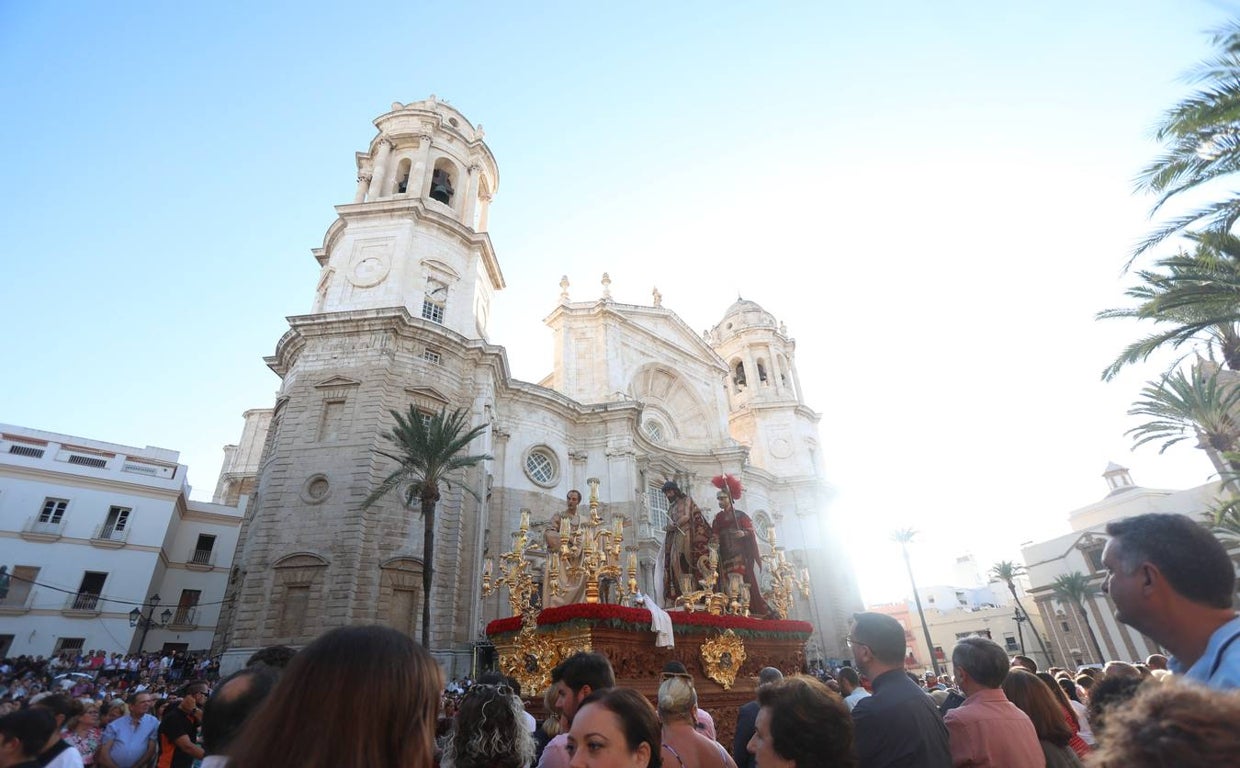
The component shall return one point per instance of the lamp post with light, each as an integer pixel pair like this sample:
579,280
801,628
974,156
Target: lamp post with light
136,618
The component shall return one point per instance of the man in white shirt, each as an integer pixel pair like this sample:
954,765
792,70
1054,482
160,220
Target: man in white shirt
850,686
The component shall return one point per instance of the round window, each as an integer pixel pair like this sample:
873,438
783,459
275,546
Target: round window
541,466
654,431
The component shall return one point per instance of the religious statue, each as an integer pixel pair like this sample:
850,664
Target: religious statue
685,546
738,546
563,569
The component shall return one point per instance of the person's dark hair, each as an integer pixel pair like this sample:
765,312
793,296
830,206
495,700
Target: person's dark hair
1108,694
849,674
1069,689
809,724
61,704
275,656
637,717
582,669
235,699
769,675
32,727
355,696
883,634
675,667
984,660
131,698
670,485
489,731
195,686
1035,699
1172,724
1027,663
1192,560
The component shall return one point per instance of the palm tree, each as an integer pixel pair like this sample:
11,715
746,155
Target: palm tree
1076,588
1197,406
1195,297
904,537
1007,572
428,451
1202,144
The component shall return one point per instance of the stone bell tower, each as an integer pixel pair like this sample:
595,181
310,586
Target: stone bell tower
414,235
399,319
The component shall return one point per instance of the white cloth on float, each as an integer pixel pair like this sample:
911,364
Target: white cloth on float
660,623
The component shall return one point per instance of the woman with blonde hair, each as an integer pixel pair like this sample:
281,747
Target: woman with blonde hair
682,742
356,696
83,732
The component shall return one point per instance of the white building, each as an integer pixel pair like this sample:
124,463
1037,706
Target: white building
407,277
89,531
1081,551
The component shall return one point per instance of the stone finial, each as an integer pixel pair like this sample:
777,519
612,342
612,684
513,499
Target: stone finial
606,286
397,106
658,297
478,131
564,289
783,329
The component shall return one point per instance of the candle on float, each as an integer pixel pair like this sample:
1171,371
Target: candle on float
486,567
619,528
805,575
633,562
714,556
566,528
525,519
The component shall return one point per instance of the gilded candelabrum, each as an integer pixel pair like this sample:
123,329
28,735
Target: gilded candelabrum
706,598
786,581
592,551
515,574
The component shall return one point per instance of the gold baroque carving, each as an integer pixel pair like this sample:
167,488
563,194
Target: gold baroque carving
534,654
722,658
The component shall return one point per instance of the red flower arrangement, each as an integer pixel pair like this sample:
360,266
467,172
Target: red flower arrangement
617,615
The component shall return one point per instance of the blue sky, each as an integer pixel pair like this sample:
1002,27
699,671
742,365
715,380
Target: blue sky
935,198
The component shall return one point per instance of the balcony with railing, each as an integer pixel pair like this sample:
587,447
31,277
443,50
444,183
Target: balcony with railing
16,604
34,530
184,618
201,560
108,535
83,604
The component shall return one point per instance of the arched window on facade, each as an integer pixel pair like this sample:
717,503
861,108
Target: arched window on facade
762,379
738,374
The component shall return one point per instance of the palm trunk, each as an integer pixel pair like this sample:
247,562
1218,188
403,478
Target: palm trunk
1036,633
925,628
1092,637
428,564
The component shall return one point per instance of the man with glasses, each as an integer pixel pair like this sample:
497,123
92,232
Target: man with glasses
898,724
130,741
178,731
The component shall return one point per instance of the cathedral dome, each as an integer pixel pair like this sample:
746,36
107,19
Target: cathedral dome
743,315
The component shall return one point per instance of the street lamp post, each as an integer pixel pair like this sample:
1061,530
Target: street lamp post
136,618
1020,619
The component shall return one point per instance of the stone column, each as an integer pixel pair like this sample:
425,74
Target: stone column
470,203
484,206
363,185
381,169
772,369
419,177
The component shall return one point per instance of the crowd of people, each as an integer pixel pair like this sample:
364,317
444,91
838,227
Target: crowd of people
371,696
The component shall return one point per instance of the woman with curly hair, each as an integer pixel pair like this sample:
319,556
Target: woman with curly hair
1035,699
802,724
489,731
1173,724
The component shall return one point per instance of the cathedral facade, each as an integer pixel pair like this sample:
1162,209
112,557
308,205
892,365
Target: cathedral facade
408,275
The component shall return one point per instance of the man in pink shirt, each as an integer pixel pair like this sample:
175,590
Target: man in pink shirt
987,729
